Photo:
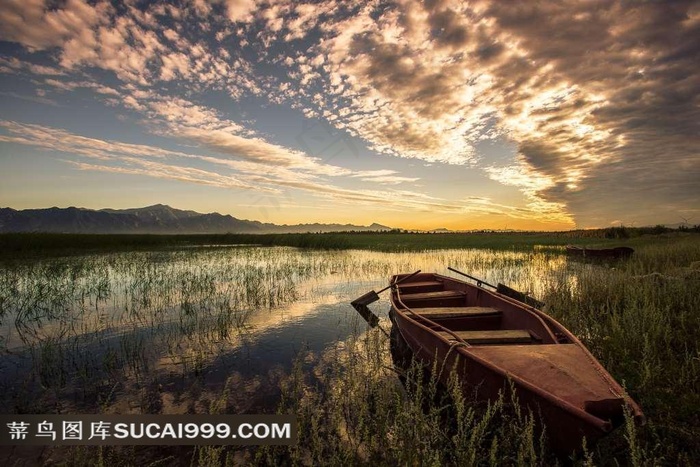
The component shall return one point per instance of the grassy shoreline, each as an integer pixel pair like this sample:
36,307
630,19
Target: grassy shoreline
14,245
640,317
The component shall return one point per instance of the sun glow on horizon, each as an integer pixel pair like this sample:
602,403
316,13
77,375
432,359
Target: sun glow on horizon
414,115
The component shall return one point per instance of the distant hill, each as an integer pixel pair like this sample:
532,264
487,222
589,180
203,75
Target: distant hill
156,219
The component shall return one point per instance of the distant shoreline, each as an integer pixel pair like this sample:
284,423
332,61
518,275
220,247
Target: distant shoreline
18,245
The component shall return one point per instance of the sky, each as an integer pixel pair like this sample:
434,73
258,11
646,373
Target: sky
414,114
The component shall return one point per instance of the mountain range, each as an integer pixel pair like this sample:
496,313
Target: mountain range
156,219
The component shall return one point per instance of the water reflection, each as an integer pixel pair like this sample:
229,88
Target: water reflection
172,331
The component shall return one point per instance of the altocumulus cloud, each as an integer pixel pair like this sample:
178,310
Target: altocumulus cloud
602,99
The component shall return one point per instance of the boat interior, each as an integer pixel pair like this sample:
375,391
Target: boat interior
509,335
464,312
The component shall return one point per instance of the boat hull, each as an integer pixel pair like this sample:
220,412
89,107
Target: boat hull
564,431
575,399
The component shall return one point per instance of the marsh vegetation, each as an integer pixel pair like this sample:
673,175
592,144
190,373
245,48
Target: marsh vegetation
41,245
251,329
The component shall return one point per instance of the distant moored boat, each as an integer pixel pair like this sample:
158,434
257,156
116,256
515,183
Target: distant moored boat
614,253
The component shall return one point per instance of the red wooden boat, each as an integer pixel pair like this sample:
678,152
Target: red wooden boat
611,253
492,338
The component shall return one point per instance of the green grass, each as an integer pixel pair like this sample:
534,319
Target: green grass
359,414
640,317
38,245
642,320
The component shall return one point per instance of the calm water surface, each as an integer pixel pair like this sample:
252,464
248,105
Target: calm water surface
171,332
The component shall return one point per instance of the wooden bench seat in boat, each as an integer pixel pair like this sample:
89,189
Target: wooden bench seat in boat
500,336
442,294
424,286
456,311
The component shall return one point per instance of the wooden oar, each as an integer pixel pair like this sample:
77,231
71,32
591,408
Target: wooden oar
478,281
505,290
372,296
370,317
360,304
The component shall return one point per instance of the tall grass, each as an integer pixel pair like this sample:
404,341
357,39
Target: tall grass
88,323
356,412
116,332
15,246
641,318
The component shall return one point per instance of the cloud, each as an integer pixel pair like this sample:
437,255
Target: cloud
179,113
14,65
628,120
385,177
257,176
65,86
259,151
253,176
240,10
205,127
64,141
399,91
601,99
171,172
427,81
34,24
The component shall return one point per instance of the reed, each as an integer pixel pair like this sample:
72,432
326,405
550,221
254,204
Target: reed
103,332
17,246
358,413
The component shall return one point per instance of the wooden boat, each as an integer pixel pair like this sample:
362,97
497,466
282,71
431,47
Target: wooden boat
610,253
492,339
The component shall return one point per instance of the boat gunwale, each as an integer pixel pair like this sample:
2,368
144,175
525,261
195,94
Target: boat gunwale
515,302
604,374
450,331
464,349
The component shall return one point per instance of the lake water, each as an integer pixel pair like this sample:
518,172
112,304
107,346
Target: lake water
175,331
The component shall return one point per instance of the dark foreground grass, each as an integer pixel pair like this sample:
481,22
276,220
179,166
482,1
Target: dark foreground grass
641,318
